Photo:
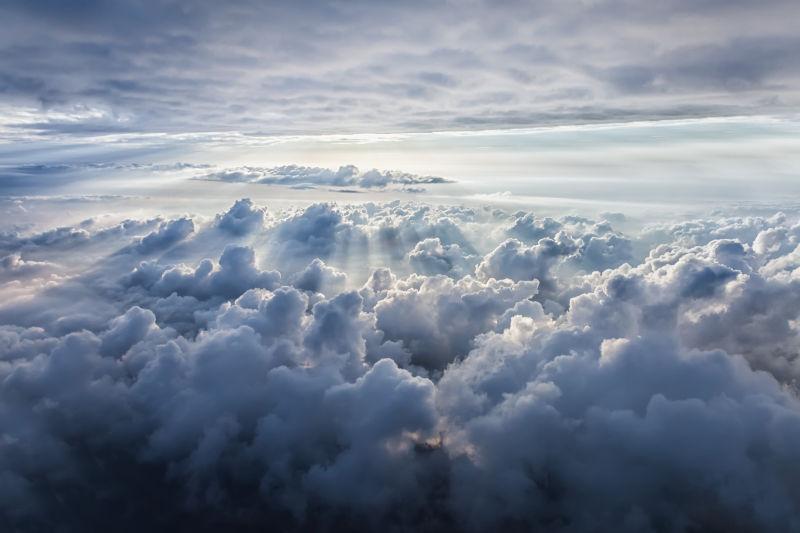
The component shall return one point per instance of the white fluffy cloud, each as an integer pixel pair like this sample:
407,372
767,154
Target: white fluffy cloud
235,273
485,370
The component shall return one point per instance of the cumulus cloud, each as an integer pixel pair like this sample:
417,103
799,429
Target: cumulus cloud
235,273
13,267
167,234
319,277
528,227
555,381
242,218
450,313
430,256
318,231
513,260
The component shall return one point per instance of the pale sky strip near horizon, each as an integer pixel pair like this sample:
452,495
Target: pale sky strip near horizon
614,100
728,159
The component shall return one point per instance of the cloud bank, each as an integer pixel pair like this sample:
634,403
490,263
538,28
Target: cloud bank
403,367
310,177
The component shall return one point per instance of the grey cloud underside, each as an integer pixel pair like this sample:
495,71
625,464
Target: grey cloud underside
400,367
315,66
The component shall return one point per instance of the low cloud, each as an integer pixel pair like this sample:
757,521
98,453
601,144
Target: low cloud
420,368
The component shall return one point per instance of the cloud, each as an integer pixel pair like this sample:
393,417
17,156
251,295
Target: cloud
242,218
571,428
346,176
430,256
167,234
317,232
474,381
126,67
13,267
319,277
235,273
86,234
437,318
527,227
513,260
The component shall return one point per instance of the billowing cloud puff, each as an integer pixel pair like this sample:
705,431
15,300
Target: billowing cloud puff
403,227
450,313
235,273
319,277
242,218
13,267
599,252
66,237
557,381
71,237
513,260
315,232
167,234
527,227
593,437
430,256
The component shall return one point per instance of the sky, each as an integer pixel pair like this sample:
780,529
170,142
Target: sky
657,102
311,67
446,266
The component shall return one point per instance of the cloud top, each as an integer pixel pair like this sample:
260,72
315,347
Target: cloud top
486,370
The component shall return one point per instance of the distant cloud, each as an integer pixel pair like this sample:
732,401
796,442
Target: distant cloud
303,177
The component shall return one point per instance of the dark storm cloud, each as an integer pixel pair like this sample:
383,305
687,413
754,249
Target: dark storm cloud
315,66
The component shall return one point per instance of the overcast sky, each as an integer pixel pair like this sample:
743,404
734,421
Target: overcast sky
310,67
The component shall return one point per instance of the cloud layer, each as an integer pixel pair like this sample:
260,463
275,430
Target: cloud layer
321,66
402,367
